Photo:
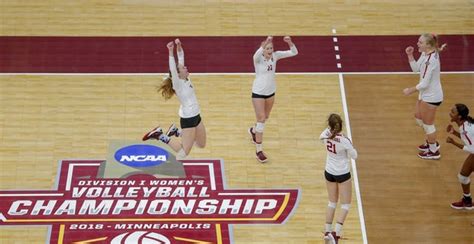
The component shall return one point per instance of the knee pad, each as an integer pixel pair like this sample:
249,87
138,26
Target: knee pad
419,122
464,179
346,206
332,205
429,129
259,127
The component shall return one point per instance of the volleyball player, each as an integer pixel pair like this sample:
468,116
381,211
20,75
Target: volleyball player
264,88
430,91
460,115
192,127
338,176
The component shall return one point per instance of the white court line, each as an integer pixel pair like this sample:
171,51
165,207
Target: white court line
70,173
353,163
230,74
211,173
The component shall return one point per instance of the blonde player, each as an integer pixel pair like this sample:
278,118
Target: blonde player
338,175
459,115
429,89
264,87
192,128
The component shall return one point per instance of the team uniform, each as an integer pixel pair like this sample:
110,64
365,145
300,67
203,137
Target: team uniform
429,86
339,149
189,110
466,131
337,170
264,85
431,92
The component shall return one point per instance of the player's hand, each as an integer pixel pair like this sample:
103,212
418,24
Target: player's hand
449,140
287,39
269,39
170,45
406,91
177,42
409,50
450,129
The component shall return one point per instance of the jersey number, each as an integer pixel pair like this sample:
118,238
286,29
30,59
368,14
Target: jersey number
331,147
270,67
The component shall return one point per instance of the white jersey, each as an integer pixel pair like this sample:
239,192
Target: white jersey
339,150
184,90
429,86
264,83
466,131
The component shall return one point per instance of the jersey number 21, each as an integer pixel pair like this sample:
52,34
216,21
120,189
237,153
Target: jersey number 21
331,147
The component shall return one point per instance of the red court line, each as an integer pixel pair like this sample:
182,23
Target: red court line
387,53
217,54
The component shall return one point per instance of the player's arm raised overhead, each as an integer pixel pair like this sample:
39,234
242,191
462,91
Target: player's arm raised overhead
172,67
180,51
258,54
289,53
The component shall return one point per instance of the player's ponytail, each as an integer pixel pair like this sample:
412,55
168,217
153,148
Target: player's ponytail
335,125
433,40
166,87
463,111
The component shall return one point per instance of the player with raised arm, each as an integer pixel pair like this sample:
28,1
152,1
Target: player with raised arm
264,88
192,127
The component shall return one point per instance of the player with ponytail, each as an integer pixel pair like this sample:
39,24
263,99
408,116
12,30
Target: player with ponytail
337,173
430,91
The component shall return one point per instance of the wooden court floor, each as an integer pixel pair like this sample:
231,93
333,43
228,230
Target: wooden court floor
406,199
49,118
44,119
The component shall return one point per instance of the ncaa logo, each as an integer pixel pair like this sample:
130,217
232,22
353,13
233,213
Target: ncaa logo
140,237
141,155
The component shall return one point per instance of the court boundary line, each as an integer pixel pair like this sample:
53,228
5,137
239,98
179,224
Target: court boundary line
353,163
230,74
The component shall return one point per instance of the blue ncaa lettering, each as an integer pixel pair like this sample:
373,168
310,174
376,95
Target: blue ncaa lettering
141,155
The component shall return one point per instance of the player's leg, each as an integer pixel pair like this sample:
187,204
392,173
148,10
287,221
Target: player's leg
428,113
464,179
259,107
333,195
201,135
345,191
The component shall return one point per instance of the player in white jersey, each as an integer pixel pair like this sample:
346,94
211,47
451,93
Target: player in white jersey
337,174
429,90
460,115
264,87
192,128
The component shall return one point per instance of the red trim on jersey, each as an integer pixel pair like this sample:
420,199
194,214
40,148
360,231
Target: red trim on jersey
469,140
427,62
347,138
